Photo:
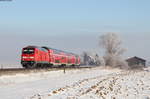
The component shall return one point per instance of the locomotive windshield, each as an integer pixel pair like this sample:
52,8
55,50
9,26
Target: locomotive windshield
28,51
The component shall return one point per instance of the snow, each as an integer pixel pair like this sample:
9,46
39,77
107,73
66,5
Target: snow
95,83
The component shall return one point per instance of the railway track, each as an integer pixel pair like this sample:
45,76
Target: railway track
13,71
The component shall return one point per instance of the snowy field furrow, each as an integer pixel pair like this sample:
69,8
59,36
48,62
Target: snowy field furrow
23,86
95,83
122,85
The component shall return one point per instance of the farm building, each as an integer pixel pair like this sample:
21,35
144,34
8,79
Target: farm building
136,62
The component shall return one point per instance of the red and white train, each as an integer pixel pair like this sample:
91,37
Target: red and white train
34,56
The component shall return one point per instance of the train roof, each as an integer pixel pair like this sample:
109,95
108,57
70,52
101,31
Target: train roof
58,50
31,46
40,48
47,48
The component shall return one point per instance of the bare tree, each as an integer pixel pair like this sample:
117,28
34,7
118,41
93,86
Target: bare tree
102,61
97,60
89,58
85,58
111,43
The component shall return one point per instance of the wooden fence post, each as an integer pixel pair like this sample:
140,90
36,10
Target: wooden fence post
64,69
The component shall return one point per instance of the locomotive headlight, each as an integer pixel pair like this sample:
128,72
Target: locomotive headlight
31,57
24,57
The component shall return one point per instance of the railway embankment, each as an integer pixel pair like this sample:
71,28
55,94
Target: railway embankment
14,71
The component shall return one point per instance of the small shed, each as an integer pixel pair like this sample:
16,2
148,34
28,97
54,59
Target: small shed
136,62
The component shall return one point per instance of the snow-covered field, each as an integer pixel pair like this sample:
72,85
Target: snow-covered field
95,83
5,65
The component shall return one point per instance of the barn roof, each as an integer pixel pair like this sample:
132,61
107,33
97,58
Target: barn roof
135,57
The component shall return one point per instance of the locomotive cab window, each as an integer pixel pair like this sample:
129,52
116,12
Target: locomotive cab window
28,51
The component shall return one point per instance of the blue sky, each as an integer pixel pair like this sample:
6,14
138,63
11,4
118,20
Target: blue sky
73,25
74,16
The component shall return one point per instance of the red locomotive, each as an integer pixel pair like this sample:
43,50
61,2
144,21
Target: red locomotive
34,56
